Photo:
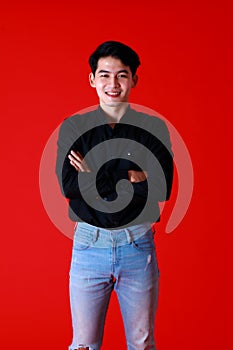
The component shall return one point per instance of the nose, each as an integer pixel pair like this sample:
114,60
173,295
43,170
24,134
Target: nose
114,81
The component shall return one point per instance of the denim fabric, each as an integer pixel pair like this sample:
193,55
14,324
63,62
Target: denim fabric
104,261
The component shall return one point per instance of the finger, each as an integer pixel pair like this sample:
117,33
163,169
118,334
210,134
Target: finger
137,176
83,167
73,163
78,161
77,156
75,160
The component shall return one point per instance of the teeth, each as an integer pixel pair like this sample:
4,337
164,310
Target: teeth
113,93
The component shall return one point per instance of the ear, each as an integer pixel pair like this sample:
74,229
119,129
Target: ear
92,80
135,81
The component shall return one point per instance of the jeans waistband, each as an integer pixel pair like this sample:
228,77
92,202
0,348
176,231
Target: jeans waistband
101,237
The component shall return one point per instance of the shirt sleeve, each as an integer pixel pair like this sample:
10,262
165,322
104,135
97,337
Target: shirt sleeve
74,184
159,166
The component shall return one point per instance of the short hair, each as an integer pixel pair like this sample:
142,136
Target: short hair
117,50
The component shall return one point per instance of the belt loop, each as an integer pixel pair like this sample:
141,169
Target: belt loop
129,236
95,235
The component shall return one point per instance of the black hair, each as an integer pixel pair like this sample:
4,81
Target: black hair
117,50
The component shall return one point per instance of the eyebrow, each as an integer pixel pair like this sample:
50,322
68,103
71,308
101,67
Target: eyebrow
120,71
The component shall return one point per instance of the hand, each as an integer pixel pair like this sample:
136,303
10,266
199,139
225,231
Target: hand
76,160
137,176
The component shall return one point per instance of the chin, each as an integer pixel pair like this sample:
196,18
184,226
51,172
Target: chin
113,103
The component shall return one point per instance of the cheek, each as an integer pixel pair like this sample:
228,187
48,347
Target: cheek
128,88
100,90
99,85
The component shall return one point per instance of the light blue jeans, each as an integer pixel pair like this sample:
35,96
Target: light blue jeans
123,261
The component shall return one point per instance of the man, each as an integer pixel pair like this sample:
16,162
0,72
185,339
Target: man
114,164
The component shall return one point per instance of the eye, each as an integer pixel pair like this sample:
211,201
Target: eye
104,75
122,75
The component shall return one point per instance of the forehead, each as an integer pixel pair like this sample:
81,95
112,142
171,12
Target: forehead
111,64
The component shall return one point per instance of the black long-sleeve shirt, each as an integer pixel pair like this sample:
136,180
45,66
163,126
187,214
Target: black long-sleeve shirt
138,142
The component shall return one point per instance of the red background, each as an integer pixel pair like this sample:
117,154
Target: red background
186,75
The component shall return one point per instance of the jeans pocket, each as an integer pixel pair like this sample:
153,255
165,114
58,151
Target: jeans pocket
81,245
145,243
82,239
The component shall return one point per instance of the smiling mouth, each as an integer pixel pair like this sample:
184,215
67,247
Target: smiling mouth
113,93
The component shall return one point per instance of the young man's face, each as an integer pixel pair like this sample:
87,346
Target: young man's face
113,81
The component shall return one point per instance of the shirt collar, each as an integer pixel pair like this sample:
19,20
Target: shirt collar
102,118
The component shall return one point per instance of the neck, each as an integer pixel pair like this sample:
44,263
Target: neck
114,112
